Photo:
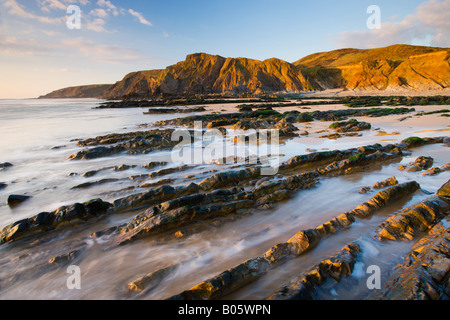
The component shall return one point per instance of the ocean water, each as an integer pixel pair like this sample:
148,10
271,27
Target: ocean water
38,136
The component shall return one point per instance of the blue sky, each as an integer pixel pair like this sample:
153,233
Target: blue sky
38,53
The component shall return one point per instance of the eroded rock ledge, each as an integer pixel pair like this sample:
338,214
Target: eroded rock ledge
425,273
303,241
325,163
339,265
417,219
46,221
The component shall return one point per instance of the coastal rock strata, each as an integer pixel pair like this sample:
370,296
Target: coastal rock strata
272,117
46,221
199,206
352,159
132,143
320,158
335,267
413,221
151,280
300,243
425,273
174,110
155,195
270,191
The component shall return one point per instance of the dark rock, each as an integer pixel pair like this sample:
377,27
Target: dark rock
89,184
14,200
44,219
226,178
3,185
96,207
5,165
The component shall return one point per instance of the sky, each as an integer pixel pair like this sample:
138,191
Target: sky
43,49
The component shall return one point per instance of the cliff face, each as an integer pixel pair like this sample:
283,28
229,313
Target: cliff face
393,67
90,91
135,84
427,71
201,73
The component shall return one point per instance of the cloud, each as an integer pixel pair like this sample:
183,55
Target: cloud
72,48
430,23
47,5
101,13
110,7
97,25
15,9
12,46
140,17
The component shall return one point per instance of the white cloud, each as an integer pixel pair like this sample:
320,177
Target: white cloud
71,48
15,9
12,46
110,7
52,4
101,13
430,22
140,17
97,25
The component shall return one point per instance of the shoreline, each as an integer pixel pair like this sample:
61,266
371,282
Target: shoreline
238,197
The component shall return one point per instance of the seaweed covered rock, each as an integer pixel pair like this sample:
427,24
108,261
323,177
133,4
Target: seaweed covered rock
351,125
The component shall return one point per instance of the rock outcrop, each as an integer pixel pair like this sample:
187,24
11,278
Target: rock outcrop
398,66
425,273
89,91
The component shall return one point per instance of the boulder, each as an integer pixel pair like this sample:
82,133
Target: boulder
14,200
5,165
